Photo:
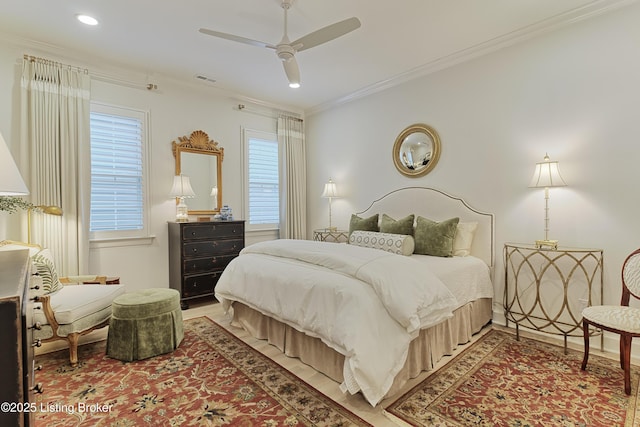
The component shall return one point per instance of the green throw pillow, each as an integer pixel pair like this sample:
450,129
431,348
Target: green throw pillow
364,224
435,238
401,226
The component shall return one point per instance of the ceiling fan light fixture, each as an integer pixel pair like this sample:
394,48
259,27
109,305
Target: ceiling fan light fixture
294,85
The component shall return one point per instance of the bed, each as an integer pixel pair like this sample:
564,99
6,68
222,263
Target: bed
368,318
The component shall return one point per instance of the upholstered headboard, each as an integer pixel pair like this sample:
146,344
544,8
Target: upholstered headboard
438,206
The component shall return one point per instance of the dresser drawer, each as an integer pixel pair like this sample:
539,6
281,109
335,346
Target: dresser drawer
202,265
216,247
199,285
212,230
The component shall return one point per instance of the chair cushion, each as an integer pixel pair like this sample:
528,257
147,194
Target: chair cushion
73,302
617,317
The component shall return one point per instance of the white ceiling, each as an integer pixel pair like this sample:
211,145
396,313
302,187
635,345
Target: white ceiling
398,40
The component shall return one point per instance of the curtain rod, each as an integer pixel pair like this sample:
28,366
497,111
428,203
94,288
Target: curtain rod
274,115
95,75
46,61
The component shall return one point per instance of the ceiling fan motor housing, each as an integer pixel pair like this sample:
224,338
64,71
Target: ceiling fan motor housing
285,51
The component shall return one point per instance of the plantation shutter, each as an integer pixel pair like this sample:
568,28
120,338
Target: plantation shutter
117,199
264,196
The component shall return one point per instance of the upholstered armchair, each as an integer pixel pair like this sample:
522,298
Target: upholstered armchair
66,308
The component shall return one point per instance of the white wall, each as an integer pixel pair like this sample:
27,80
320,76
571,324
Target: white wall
573,93
176,110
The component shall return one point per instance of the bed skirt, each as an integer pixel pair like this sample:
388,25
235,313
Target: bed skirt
424,351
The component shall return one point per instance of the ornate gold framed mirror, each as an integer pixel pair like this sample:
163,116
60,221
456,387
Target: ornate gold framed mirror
200,158
416,150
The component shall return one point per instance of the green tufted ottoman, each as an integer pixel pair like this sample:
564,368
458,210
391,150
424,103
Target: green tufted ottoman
144,324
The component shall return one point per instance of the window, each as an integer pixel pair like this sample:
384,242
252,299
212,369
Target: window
262,188
118,173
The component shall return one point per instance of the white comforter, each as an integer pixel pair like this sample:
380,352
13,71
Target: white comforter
365,303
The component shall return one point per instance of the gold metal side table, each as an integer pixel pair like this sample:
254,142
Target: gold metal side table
547,289
329,235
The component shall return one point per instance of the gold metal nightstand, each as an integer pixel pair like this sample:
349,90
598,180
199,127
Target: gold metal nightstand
327,235
547,289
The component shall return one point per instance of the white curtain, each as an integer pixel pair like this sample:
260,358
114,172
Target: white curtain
294,209
55,138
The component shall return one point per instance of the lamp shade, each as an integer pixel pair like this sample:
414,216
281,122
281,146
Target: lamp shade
11,183
547,175
181,187
330,189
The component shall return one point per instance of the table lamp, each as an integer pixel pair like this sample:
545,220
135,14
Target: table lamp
11,183
330,191
545,176
181,189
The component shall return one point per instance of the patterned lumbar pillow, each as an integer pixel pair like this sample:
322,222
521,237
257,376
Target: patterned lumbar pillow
43,262
400,244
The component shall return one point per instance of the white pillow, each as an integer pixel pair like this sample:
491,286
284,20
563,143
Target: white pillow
464,238
400,244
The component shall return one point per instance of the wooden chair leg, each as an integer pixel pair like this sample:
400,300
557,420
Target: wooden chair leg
625,357
585,333
622,347
73,348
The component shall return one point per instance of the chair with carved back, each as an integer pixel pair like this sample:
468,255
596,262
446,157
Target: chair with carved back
620,319
66,308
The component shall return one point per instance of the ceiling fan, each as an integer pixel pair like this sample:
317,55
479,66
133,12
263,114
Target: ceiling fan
286,50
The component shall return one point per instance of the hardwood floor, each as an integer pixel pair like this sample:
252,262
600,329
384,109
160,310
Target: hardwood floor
356,403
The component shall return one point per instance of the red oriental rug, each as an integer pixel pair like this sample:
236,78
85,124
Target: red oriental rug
213,378
499,381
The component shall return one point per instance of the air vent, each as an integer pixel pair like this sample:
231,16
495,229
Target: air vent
204,78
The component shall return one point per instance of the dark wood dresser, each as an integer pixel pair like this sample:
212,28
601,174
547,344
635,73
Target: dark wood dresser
198,253
17,380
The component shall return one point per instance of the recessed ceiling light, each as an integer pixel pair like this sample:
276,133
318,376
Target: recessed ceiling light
86,19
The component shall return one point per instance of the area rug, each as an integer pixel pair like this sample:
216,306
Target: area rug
499,381
213,378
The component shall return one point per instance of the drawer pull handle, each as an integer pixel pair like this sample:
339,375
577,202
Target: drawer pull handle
37,343
35,288
37,326
38,388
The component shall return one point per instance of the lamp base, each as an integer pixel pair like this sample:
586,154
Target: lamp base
549,244
182,213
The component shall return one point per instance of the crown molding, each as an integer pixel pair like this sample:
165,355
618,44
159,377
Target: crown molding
539,28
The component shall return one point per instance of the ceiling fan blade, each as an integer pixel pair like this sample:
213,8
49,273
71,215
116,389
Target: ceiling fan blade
293,71
327,33
236,38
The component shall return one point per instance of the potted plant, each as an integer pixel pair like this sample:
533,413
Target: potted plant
12,203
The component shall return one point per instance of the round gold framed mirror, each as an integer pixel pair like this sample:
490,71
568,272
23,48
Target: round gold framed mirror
416,150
